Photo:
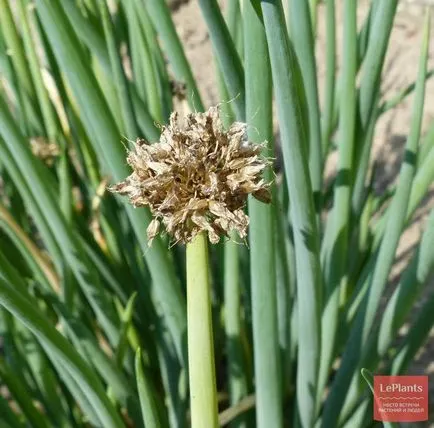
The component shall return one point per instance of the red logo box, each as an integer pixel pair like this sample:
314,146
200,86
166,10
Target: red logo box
401,398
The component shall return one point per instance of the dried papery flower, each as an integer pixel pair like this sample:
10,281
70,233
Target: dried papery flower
44,150
196,178
179,90
179,94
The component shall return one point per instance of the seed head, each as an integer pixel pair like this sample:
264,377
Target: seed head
44,150
196,178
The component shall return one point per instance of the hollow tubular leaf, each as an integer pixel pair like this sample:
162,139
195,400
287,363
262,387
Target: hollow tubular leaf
226,53
58,347
285,77
146,394
340,216
398,209
301,31
128,116
102,129
327,120
66,239
261,235
374,59
160,16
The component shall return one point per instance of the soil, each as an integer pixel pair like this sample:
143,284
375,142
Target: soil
400,70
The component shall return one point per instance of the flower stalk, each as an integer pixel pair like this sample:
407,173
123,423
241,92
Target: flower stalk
196,181
203,395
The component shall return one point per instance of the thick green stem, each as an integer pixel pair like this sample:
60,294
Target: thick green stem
203,396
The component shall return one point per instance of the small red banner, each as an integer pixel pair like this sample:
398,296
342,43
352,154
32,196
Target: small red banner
401,398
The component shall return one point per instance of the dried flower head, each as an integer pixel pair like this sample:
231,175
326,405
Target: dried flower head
196,178
179,89
44,150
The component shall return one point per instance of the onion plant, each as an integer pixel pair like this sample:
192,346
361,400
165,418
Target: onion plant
236,284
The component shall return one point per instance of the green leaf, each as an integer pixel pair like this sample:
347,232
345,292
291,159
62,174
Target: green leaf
328,108
261,231
160,16
409,288
146,394
126,319
15,45
30,199
95,42
10,419
106,138
286,80
59,348
301,33
336,246
22,396
386,253
226,53
144,56
66,239
369,377
374,59
129,119
399,305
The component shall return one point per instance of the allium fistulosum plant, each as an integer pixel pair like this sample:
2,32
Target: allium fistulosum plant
240,313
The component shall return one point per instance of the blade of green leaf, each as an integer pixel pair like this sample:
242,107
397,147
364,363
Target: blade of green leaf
30,200
401,95
128,116
421,183
31,253
374,59
226,53
160,16
146,394
95,42
418,334
339,219
369,378
398,208
398,307
381,23
22,308
301,33
45,379
126,318
48,113
15,45
65,237
105,136
22,396
409,288
328,108
286,295
162,74
287,83
237,380
77,393
107,369
147,61
261,230
426,146
10,419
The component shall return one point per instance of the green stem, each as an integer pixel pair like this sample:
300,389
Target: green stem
203,396
233,324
